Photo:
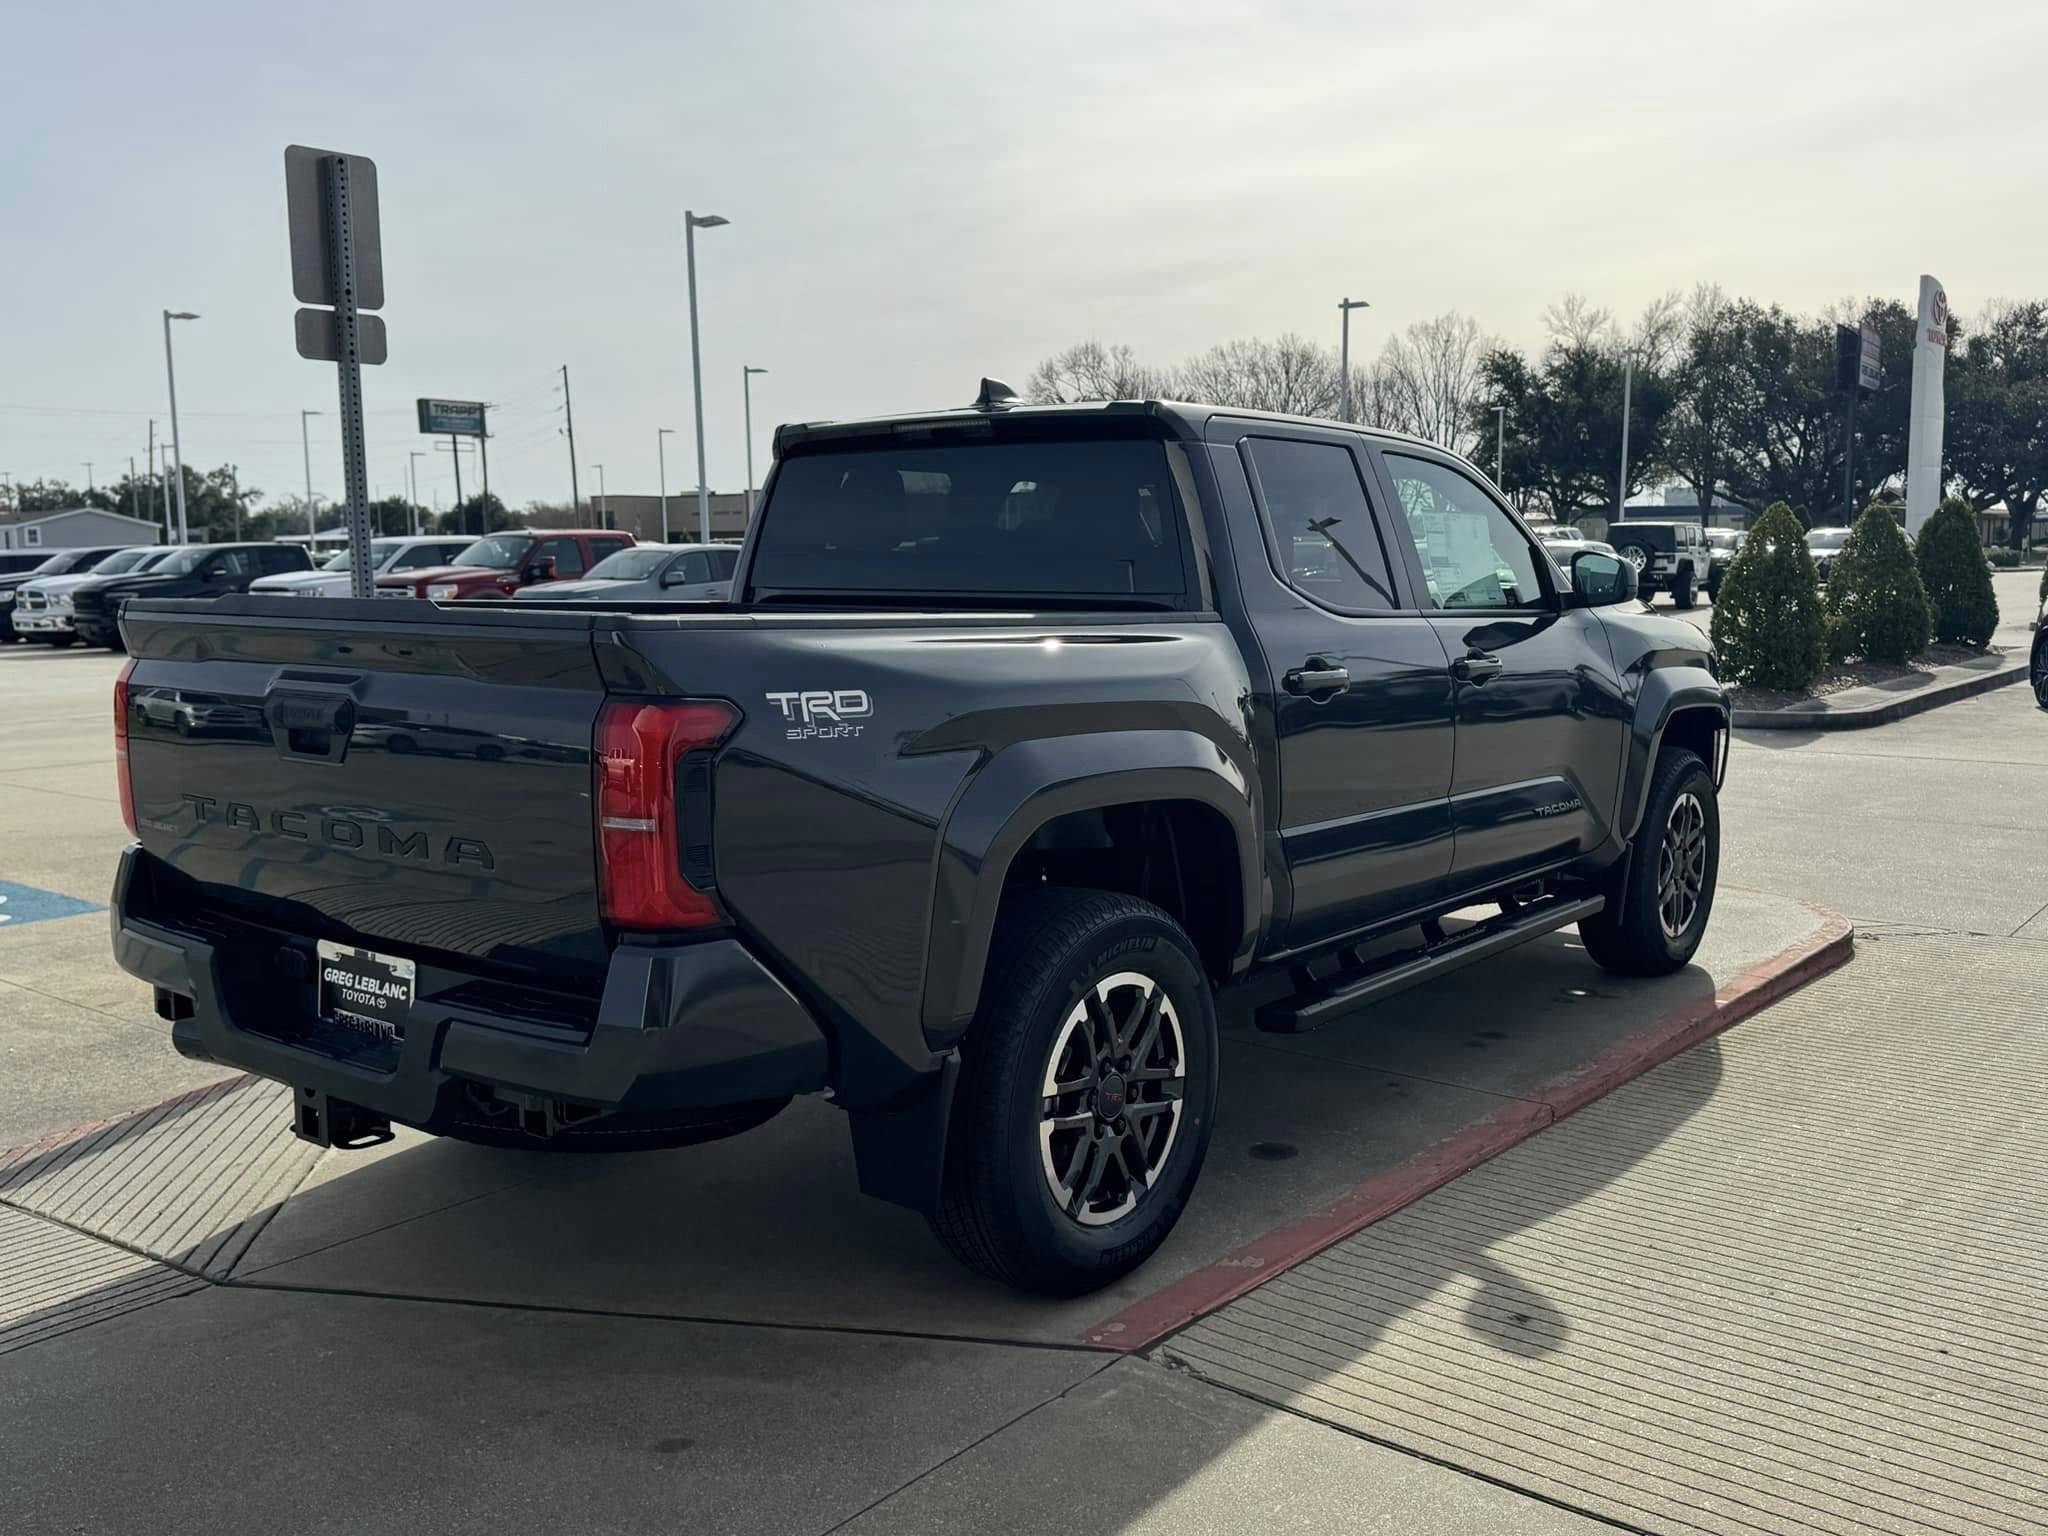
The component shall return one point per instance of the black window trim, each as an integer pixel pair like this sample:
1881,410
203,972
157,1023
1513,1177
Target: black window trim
1402,602
1546,568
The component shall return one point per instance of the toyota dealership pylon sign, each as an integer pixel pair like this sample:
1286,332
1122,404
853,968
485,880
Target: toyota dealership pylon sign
1923,430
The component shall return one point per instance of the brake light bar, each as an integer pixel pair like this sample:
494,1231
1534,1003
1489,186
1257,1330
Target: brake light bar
121,768
645,754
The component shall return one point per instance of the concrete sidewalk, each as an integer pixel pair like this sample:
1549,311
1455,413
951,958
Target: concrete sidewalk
1790,1282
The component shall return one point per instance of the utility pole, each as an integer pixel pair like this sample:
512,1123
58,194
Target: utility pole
691,224
134,492
413,470
88,476
177,446
1628,379
1500,444
152,478
306,454
1344,307
661,437
747,392
483,454
569,414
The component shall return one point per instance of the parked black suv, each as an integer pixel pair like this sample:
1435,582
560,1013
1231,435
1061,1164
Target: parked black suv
1027,728
57,562
1668,557
200,570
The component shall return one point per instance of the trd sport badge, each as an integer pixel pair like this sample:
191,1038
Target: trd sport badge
823,714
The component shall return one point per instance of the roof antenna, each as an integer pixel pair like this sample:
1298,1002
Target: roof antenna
995,396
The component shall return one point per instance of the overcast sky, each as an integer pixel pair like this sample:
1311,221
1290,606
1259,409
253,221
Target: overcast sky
922,194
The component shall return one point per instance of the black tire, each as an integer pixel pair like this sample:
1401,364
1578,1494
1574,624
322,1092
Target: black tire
1631,937
2040,673
1684,589
997,1211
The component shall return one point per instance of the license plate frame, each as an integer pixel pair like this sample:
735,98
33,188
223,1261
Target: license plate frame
365,993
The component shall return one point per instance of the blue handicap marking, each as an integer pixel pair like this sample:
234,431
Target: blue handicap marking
25,904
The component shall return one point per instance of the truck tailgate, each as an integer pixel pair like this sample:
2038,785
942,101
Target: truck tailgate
417,785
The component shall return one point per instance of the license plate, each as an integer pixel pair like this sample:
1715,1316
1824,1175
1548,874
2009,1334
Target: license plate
365,993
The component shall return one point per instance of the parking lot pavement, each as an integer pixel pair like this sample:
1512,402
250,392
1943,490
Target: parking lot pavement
1933,822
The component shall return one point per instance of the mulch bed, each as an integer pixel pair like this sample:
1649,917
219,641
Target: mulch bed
1860,674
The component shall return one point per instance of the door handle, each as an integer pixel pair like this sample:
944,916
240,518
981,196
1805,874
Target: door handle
1476,667
1316,676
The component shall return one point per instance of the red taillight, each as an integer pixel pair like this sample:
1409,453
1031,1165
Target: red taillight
640,861
121,745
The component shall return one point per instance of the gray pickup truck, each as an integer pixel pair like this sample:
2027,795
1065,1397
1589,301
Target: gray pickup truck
1024,732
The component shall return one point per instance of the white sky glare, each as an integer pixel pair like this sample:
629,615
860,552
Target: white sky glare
922,194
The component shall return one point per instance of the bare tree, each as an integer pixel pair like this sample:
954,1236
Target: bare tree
1659,339
1290,375
1575,324
1428,378
1090,371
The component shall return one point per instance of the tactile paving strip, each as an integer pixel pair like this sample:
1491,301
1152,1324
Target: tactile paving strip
191,1181
53,1280
1793,1281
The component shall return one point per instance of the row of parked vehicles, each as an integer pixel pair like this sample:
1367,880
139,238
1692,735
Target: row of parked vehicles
1676,556
76,595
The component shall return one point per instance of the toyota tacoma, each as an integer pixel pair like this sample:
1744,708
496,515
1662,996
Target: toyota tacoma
1024,732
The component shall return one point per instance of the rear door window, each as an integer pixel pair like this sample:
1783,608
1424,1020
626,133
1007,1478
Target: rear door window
567,555
723,563
600,548
1063,517
1322,528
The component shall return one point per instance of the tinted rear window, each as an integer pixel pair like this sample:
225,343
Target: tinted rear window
1066,518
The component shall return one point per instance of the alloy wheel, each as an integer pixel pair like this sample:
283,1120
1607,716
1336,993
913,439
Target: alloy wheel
1112,1096
1681,865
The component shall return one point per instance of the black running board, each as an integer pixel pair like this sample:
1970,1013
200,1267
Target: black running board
1314,1007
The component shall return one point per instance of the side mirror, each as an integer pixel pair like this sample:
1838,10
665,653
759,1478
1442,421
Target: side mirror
675,576
1601,580
540,568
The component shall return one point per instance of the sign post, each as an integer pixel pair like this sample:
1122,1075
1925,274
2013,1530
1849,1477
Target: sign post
338,260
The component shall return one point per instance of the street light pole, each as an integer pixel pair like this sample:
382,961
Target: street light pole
1628,378
412,468
1500,444
661,436
747,393
1344,307
306,453
691,224
604,507
177,446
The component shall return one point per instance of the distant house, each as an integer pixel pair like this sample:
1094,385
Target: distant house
77,528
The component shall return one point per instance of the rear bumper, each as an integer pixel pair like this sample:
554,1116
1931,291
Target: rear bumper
677,1028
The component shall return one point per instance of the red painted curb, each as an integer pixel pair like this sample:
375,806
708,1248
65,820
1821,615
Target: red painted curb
1144,1323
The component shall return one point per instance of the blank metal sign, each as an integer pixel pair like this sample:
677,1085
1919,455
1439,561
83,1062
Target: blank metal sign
306,213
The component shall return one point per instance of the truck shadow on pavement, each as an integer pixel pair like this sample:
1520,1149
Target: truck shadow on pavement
770,1227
